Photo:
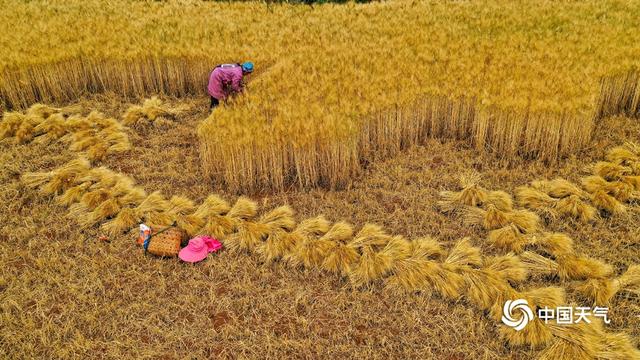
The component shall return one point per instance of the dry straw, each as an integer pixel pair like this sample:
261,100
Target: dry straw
369,256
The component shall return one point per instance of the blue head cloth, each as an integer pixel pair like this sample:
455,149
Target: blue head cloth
247,67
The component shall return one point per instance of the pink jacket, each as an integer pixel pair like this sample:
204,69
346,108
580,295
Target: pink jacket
225,79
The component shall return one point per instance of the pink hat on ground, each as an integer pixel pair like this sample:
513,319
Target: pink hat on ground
213,245
197,250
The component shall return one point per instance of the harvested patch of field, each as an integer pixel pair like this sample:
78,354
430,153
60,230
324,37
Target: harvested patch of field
65,293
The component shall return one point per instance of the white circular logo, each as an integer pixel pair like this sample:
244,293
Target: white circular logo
507,314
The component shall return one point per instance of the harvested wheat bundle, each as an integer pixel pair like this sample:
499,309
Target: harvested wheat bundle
489,219
572,206
105,210
409,274
124,185
102,178
212,211
126,219
470,195
36,121
484,288
26,130
311,252
153,210
426,247
413,263
617,346
508,239
128,197
51,129
633,147
243,209
307,230
463,255
532,198
526,221
181,210
212,205
633,181
572,349
280,223
415,267
343,254
306,249
370,235
538,265
221,224
622,191
610,171
371,265
492,218
554,244
509,267
102,122
152,112
247,234
87,204
572,267
44,111
601,291
83,140
537,200
622,155
11,122
551,208
559,188
551,296
445,282
501,200
279,218
133,197
64,176
473,195
98,151
608,203
77,123
73,194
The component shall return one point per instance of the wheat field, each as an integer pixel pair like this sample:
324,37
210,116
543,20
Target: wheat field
519,79
394,172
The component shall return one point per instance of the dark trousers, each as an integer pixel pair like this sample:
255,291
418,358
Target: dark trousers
214,102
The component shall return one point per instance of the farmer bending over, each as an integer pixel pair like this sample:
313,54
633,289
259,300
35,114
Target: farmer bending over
226,79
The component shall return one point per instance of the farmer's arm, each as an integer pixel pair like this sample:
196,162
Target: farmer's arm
236,81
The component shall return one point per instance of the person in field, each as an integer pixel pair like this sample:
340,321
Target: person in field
227,79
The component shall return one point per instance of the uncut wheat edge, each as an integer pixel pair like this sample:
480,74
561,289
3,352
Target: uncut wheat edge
101,197
508,132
